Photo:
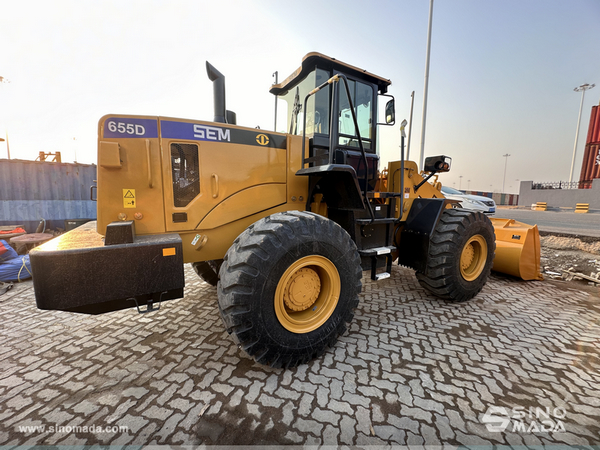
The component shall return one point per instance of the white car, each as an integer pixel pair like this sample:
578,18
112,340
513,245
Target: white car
472,202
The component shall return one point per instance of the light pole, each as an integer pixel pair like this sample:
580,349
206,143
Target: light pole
5,81
426,87
505,164
276,75
582,88
468,185
459,182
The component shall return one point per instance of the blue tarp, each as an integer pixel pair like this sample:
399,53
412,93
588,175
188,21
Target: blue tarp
13,267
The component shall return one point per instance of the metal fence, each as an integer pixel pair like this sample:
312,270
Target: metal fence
563,185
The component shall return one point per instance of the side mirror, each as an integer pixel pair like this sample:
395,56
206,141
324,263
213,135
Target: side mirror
390,112
435,164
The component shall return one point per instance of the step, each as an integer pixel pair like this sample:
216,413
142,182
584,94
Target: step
381,221
382,276
376,251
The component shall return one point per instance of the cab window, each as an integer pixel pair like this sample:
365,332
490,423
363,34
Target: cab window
185,171
291,112
362,99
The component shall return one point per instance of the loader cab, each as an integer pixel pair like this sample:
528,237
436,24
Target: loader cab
316,121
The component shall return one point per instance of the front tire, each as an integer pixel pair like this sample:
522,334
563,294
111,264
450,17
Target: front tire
288,288
461,254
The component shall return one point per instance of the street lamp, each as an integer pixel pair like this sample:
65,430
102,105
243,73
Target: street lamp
505,164
426,87
459,182
5,81
582,88
7,147
468,185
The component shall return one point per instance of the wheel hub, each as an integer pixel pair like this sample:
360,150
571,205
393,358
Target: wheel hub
467,256
302,289
307,294
473,257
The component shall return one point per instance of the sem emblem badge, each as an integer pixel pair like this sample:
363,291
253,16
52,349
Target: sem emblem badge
262,139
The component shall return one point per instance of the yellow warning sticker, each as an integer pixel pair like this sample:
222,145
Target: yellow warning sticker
129,198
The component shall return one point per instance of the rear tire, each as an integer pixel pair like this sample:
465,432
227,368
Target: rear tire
289,286
461,254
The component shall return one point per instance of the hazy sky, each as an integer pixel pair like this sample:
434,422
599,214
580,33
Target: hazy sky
501,81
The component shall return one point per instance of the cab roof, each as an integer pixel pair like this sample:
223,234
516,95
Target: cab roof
314,59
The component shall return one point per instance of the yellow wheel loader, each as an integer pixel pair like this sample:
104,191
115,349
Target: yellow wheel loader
283,223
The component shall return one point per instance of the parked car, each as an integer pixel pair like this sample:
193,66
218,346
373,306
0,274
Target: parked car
471,202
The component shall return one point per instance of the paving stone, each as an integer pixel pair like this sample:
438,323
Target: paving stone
305,407
137,392
181,404
341,407
308,426
155,412
36,375
287,393
294,437
429,405
347,430
354,399
133,423
288,413
411,371
416,413
330,435
169,428
85,407
403,423
272,402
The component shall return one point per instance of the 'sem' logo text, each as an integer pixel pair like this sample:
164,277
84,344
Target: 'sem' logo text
207,133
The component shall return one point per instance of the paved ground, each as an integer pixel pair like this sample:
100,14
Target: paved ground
411,370
555,221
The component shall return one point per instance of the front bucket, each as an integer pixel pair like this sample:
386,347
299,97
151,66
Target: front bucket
517,249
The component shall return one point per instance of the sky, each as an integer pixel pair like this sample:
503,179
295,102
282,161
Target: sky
501,77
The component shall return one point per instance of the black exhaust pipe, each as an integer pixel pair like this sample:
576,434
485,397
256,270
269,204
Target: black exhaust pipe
218,80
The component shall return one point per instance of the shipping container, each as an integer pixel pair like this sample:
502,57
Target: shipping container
590,166
32,191
593,136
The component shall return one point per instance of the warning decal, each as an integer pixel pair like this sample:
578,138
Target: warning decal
129,198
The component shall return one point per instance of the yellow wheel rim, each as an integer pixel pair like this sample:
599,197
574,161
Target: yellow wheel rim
307,294
473,257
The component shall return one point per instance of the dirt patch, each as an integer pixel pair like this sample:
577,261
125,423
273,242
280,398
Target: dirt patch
571,243
561,253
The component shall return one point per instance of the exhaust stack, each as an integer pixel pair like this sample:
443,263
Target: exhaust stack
218,79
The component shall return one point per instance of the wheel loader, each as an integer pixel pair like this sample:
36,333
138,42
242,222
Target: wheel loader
283,223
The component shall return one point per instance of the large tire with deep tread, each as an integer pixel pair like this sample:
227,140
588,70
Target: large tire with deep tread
259,266
461,254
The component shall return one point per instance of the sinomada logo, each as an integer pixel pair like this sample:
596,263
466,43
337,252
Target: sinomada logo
496,419
519,419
